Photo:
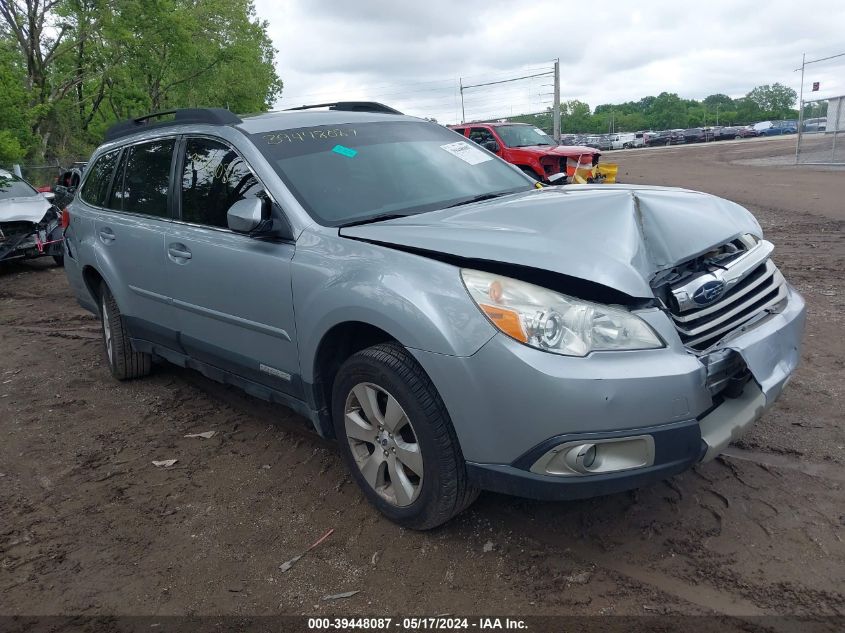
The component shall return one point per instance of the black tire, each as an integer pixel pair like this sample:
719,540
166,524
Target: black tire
60,260
444,487
124,362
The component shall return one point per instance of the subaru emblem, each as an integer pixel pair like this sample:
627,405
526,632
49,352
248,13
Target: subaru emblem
709,292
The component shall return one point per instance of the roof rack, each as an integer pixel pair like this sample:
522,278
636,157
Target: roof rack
213,116
351,106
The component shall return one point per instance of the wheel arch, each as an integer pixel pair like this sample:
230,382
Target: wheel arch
336,345
93,281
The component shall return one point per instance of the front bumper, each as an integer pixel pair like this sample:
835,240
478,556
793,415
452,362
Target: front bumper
511,404
37,240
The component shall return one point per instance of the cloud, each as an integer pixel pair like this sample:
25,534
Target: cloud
412,54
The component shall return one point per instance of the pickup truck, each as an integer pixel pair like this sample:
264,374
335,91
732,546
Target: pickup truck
530,149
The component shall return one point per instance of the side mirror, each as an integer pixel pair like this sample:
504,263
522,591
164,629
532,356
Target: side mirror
245,215
491,146
49,195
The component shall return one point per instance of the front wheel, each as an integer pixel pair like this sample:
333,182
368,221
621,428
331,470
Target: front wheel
397,439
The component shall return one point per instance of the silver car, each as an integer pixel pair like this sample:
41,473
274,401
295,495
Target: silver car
453,325
30,224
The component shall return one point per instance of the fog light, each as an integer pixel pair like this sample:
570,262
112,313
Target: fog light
590,456
600,456
581,458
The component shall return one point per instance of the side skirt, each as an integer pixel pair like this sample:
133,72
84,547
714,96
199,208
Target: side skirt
228,378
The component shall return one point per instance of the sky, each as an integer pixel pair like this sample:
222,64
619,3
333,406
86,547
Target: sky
411,54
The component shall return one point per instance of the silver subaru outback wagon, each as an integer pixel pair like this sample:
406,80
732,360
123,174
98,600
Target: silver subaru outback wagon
452,324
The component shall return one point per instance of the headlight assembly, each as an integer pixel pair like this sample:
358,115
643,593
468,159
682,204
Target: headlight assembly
554,322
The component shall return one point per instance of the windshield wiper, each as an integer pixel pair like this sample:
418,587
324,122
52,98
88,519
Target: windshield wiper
376,218
480,198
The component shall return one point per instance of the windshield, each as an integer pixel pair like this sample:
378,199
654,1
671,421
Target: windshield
523,135
350,173
13,187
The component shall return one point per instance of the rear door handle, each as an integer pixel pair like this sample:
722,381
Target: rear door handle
106,235
179,253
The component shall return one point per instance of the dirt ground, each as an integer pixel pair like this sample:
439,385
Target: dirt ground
89,526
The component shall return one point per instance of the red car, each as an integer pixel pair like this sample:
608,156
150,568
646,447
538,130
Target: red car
529,148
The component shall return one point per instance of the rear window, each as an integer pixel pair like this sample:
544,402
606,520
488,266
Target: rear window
96,188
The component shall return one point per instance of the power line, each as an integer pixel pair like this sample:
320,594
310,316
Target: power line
823,59
398,87
504,81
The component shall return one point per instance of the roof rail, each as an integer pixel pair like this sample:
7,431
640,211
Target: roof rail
351,106
214,116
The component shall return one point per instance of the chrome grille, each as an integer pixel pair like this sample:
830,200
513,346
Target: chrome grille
759,290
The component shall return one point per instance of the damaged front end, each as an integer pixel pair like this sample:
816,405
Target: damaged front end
23,239
693,267
733,308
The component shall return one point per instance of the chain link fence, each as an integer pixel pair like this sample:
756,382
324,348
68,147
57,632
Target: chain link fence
821,120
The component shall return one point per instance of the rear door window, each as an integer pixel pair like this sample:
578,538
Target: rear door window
214,177
96,187
145,180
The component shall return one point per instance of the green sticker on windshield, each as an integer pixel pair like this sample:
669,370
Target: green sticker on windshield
345,151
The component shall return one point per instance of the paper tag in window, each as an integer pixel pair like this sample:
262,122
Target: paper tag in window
466,152
539,131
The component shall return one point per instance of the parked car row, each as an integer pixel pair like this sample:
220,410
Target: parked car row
649,138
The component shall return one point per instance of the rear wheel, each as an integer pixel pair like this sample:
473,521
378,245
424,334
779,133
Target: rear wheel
124,362
397,439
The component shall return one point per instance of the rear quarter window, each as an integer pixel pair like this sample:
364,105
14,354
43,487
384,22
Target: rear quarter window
96,188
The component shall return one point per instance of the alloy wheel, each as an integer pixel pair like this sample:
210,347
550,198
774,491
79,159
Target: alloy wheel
383,443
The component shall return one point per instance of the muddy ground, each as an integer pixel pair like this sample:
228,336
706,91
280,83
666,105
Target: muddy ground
89,526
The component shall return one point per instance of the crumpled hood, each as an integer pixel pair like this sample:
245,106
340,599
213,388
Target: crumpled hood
616,235
28,209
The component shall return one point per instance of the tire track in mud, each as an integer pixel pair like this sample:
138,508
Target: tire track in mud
776,460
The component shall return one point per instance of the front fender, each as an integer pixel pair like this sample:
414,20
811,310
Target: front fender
420,302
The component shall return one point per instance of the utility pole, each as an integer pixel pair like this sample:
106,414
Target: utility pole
556,113
801,110
461,85
718,105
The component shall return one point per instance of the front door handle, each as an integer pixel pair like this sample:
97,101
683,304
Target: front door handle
106,235
179,253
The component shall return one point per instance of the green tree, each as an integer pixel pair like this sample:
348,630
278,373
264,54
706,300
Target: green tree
16,130
668,111
776,100
722,101
89,62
